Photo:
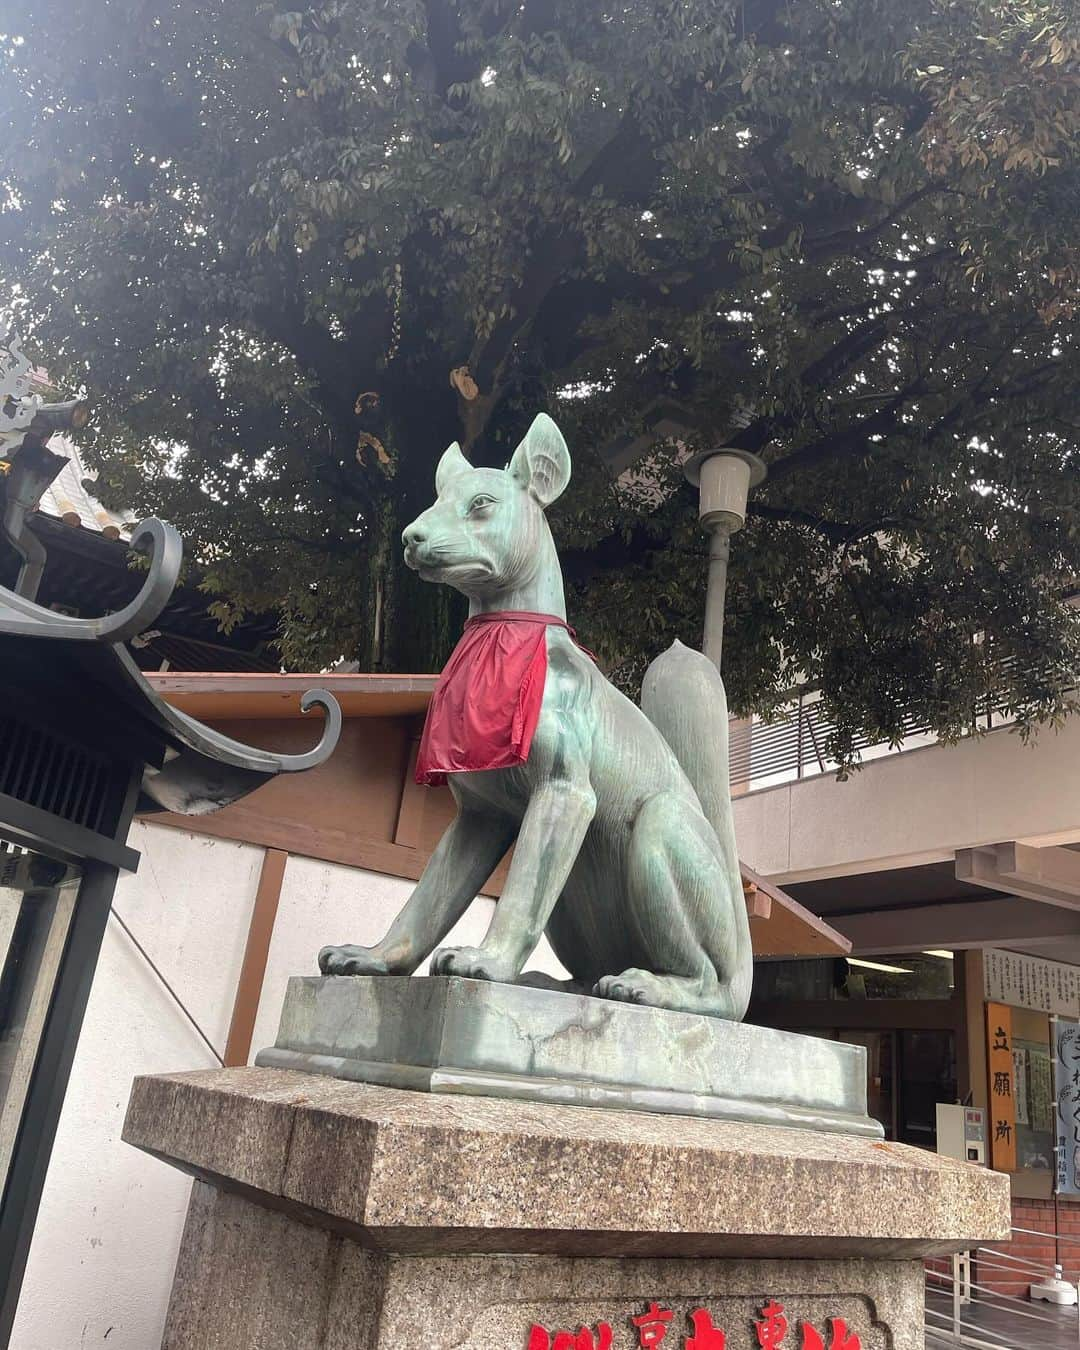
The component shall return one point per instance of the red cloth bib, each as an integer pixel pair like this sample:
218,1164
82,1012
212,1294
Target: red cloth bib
485,708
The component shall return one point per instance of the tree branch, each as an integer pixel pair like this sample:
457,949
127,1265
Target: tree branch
825,246
836,532
847,352
851,440
552,255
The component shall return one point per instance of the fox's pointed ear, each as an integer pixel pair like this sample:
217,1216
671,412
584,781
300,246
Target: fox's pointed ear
452,463
542,462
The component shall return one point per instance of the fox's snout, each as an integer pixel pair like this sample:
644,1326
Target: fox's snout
432,543
412,537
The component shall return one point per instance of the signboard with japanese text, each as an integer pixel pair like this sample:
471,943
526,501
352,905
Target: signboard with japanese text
1031,982
1066,1041
1002,1087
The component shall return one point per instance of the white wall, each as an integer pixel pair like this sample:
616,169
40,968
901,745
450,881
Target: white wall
111,1218
110,1221
916,807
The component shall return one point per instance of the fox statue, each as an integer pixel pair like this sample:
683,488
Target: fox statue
621,816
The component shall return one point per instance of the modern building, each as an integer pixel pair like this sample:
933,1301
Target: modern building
955,873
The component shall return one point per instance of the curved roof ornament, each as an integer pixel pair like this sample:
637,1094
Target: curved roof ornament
166,551
213,770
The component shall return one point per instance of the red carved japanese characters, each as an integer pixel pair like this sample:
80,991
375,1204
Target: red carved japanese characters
653,1325
772,1327
541,1339
839,1337
706,1336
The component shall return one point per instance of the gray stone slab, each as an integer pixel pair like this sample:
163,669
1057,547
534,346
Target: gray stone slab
451,1035
422,1173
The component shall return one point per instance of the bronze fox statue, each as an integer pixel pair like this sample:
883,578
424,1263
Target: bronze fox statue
621,816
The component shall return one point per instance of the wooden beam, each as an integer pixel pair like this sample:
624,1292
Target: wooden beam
1048,875
972,924
247,824
414,797
781,927
211,696
253,970
758,904
971,963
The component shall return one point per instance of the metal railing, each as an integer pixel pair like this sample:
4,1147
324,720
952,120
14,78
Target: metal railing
963,1307
795,745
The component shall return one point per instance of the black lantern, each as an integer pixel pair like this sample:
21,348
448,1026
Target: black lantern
85,742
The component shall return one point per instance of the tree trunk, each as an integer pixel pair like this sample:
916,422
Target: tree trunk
411,625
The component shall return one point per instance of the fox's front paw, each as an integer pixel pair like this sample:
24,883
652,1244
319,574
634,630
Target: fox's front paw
632,986
351,961
473,963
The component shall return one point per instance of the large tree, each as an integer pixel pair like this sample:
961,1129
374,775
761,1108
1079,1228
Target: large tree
291,254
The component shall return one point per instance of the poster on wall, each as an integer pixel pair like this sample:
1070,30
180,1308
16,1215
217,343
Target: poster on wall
1020,1085
999,1049
1066,1040
1041,1089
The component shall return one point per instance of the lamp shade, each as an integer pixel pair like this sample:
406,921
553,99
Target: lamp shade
724,478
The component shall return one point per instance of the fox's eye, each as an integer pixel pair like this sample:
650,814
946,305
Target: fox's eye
479,502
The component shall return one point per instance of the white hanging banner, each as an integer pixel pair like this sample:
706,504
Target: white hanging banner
1066,1041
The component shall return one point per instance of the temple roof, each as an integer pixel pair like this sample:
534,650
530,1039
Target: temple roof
202,769
70,499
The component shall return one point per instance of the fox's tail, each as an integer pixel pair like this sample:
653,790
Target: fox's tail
683,696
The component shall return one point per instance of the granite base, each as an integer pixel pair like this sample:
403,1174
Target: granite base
248,1277
331,1215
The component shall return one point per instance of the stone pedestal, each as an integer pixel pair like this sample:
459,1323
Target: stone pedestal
333,1215
446,1034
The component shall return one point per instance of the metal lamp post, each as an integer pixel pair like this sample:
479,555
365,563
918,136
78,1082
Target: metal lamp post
723,477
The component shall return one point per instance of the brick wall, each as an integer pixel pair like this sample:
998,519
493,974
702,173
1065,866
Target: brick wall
939,1273
1036,1245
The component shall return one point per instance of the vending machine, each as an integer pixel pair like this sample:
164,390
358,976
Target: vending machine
961,1132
